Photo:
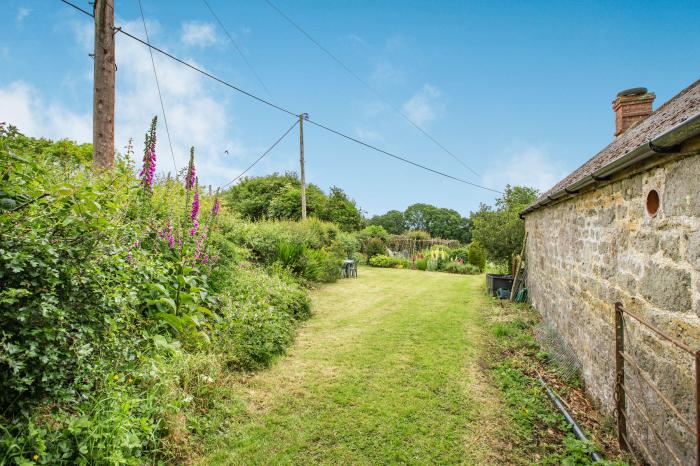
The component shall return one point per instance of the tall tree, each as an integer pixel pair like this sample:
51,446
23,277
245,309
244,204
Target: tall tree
392,221
500,230
279,197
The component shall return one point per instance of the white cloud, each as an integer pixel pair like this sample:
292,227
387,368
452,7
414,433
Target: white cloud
385,73
199,34
369,135
424,106
22,13
25,108
197,115
525,165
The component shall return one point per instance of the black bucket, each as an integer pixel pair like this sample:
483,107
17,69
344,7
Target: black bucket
495,282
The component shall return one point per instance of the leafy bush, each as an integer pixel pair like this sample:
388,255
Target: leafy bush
279,197
262,238
389,262
345,245
417,234
459,254
477,256
465,269
106,282
258,317
373,231
421,264
374,247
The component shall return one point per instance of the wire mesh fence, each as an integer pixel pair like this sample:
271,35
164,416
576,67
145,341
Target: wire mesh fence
563,355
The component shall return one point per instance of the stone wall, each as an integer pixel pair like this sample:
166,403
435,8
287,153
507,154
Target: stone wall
599,247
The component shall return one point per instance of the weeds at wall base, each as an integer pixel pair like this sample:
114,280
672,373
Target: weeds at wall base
540,433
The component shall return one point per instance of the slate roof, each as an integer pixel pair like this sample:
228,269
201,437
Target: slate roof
684,105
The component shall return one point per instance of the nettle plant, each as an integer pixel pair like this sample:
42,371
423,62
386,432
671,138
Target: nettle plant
180,298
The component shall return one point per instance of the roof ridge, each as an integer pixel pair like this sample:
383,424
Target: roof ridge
659,121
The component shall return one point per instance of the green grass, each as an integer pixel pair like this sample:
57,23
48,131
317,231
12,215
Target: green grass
386,372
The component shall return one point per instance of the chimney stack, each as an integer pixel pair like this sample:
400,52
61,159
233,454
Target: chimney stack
631,106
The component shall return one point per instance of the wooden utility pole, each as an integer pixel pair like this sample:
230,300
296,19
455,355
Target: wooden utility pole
302,117
103,87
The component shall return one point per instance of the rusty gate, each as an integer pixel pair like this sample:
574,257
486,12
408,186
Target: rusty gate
626,406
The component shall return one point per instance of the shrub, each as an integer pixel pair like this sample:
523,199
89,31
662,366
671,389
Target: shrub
258,315
345,246
421,264
465,269
461,253
477,256
389,262
374,247
326,266
373,231
433,265
417,234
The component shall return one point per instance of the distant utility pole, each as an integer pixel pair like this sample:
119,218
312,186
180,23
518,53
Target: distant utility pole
103,87
302,117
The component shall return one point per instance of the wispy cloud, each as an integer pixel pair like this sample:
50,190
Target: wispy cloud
394,43
424,106
525,165
369,135
22,13
197,115
25,108
199,34
385,73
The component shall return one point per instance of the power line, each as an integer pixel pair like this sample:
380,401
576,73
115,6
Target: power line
398,157
366,84
240,52
160,96
282,109
263,155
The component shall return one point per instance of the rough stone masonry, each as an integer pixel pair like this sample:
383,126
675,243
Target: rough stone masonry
610,242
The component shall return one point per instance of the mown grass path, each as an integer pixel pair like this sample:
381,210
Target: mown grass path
385,372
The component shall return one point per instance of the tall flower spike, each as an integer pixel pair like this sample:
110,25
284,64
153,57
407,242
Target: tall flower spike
195,203
191,176
216,207
149,157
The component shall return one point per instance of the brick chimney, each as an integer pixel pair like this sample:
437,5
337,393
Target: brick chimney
631,106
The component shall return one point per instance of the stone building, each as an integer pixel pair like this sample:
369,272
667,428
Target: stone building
625,227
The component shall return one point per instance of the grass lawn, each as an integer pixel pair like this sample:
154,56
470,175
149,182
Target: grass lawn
385,372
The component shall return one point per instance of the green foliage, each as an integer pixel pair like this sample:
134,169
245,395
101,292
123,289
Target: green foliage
262,238
393,222
374,247
259,317
342,211
278,197
438,222
500,230
389,262
459,254
421,264
95,292
345,245
373,231
464,269
417,234
476,255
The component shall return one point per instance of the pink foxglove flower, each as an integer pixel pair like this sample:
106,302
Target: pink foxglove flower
191,177
195,205
149,158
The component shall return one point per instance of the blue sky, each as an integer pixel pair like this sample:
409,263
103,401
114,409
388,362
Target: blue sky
520,91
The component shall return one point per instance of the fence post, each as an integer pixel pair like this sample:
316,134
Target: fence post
620,402
697,407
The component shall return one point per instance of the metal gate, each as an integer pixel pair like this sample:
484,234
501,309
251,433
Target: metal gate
629,437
